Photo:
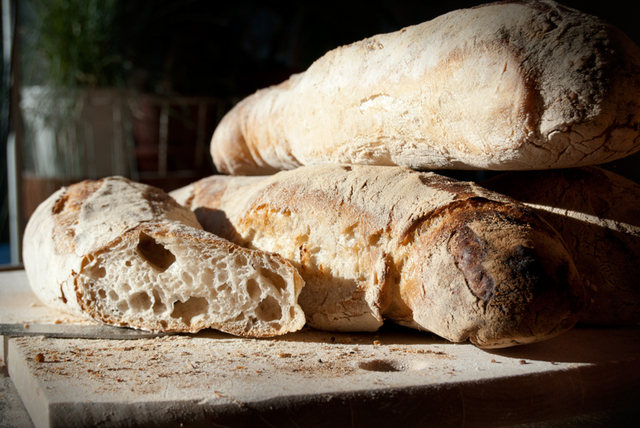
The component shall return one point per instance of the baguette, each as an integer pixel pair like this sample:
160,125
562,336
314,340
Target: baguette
127,254
597,212
515,85
425,251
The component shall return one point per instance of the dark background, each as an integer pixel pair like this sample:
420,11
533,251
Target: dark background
208,48
220,48
234,48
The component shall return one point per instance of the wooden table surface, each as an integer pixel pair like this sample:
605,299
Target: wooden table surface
395,377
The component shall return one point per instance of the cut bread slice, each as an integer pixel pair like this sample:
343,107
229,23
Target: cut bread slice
127,254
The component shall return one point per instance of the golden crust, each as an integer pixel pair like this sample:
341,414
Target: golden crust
388,242
499,87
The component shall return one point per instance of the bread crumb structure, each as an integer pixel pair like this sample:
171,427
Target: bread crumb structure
127,254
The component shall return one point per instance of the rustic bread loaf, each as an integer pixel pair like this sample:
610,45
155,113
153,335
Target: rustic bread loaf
127,254
597,212
516,85
388,242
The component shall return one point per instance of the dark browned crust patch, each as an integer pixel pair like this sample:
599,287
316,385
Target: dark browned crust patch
468,254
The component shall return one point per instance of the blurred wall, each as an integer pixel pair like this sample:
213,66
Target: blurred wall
204,48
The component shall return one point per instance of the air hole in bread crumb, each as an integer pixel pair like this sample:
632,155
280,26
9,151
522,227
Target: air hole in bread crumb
158,306
269,309
222,276
278,282
208,275
112,295
102,294
253,289
98,271
186,278
140,302
155,253
123,306
191,308
92,268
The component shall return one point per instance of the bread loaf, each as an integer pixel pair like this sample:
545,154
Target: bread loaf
597,212
375,243
127,254
515,85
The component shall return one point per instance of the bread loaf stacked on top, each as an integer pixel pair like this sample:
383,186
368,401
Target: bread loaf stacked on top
517,85
514,85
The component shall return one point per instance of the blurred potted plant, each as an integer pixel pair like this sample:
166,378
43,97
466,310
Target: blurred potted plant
74,104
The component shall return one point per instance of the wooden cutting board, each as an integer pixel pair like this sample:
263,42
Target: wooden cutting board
395,377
